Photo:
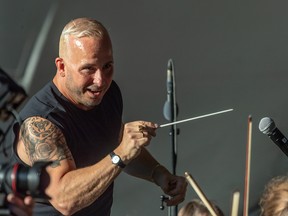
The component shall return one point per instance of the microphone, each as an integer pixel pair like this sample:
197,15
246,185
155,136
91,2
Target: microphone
168,109
267,126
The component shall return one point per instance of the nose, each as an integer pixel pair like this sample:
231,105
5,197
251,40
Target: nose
98,77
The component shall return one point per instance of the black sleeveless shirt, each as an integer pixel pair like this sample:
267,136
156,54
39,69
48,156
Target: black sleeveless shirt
90,135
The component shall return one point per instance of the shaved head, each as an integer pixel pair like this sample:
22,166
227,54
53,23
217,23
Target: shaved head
78,28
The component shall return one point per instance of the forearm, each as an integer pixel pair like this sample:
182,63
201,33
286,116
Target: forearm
81,187
143,166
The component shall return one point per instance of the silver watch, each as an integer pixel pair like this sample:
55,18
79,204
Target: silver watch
117,160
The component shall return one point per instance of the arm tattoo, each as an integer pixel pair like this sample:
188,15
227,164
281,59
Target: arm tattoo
44,141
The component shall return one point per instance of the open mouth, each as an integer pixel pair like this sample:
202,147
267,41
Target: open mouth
94,93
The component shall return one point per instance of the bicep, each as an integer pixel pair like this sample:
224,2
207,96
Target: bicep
43,141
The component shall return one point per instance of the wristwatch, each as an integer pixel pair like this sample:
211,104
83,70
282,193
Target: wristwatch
117,160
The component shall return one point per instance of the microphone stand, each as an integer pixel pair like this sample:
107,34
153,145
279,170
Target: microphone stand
173,133
171,114
173,130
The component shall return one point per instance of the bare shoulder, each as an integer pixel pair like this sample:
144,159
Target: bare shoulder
43,141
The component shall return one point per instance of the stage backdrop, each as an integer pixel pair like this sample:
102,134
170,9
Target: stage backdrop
226,54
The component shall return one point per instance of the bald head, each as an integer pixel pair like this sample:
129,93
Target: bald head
81,27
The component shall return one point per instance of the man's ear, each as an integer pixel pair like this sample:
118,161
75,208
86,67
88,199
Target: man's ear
60,66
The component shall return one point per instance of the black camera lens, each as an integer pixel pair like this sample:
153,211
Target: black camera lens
21,179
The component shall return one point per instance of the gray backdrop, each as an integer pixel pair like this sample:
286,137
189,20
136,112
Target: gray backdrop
227,54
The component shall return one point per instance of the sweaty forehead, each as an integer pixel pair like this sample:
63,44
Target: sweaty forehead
88,50
72,42
90,45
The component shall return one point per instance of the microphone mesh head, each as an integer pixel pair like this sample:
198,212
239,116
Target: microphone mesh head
267,125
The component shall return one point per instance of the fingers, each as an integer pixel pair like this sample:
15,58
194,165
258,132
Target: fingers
134,136
141,129
19,206
177,191
28,201
150,125
175,200
148,129
15,200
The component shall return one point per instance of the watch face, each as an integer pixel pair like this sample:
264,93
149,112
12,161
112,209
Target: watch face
115,159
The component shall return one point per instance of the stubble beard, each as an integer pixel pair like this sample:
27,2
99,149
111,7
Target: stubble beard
80,99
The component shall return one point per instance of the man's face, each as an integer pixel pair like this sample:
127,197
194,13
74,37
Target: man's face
88,70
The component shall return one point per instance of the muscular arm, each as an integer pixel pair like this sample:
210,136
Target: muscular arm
41,140
146,167
143,166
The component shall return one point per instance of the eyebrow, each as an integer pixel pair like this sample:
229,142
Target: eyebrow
87,65
95,63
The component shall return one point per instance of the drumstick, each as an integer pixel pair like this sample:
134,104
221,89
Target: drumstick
199,192
194,118
247,171
235,203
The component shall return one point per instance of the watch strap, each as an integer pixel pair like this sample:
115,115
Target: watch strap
120,162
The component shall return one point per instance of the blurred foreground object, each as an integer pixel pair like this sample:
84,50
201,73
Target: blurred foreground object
11,96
